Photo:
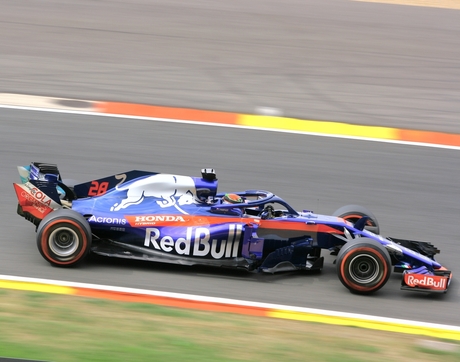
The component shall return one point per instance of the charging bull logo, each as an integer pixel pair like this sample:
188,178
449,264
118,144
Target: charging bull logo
170,190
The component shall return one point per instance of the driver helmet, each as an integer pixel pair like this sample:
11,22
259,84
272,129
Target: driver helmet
232,199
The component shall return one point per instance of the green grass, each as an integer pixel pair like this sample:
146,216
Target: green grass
65,328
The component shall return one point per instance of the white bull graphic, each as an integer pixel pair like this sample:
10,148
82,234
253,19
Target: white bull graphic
169,189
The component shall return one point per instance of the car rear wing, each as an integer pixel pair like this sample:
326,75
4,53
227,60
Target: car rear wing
38,191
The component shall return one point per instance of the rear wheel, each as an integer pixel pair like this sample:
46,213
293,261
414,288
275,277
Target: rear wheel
353,213
363,265
64,238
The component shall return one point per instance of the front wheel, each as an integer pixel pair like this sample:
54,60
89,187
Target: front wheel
363,265
353,213
64,238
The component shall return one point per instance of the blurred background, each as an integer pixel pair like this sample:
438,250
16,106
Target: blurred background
335,60
349,61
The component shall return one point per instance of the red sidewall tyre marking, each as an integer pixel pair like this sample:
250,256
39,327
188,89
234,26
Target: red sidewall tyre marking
369,222
353,253
45,246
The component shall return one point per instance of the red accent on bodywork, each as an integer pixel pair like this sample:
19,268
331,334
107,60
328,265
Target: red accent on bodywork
423,281
30,204
190,220
295,225
183,220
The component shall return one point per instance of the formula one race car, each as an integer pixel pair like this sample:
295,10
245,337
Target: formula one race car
183,220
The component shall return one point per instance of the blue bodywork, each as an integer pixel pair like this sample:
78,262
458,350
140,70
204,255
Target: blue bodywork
184,220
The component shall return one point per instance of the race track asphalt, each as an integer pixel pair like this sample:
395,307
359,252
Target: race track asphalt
333,60
411,189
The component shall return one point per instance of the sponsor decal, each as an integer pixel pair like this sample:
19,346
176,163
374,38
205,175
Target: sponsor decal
42,208
167,190
117,229
197,242
434,282
107,220
150,220
30,195
98,188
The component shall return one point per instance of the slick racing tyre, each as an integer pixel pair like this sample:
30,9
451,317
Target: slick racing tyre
363,265
353,213
64,238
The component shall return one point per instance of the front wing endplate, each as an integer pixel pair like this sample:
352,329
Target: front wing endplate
423,280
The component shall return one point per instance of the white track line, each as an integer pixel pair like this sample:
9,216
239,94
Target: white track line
228,301
168,120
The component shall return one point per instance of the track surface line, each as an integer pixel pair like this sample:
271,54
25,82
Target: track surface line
225,305
268,123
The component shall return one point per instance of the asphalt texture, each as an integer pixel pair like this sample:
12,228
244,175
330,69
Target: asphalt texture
333,60
412,190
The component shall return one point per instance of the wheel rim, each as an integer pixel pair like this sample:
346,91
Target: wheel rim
63,242
364,269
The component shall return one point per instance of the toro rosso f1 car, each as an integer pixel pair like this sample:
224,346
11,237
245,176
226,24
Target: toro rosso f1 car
184,220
